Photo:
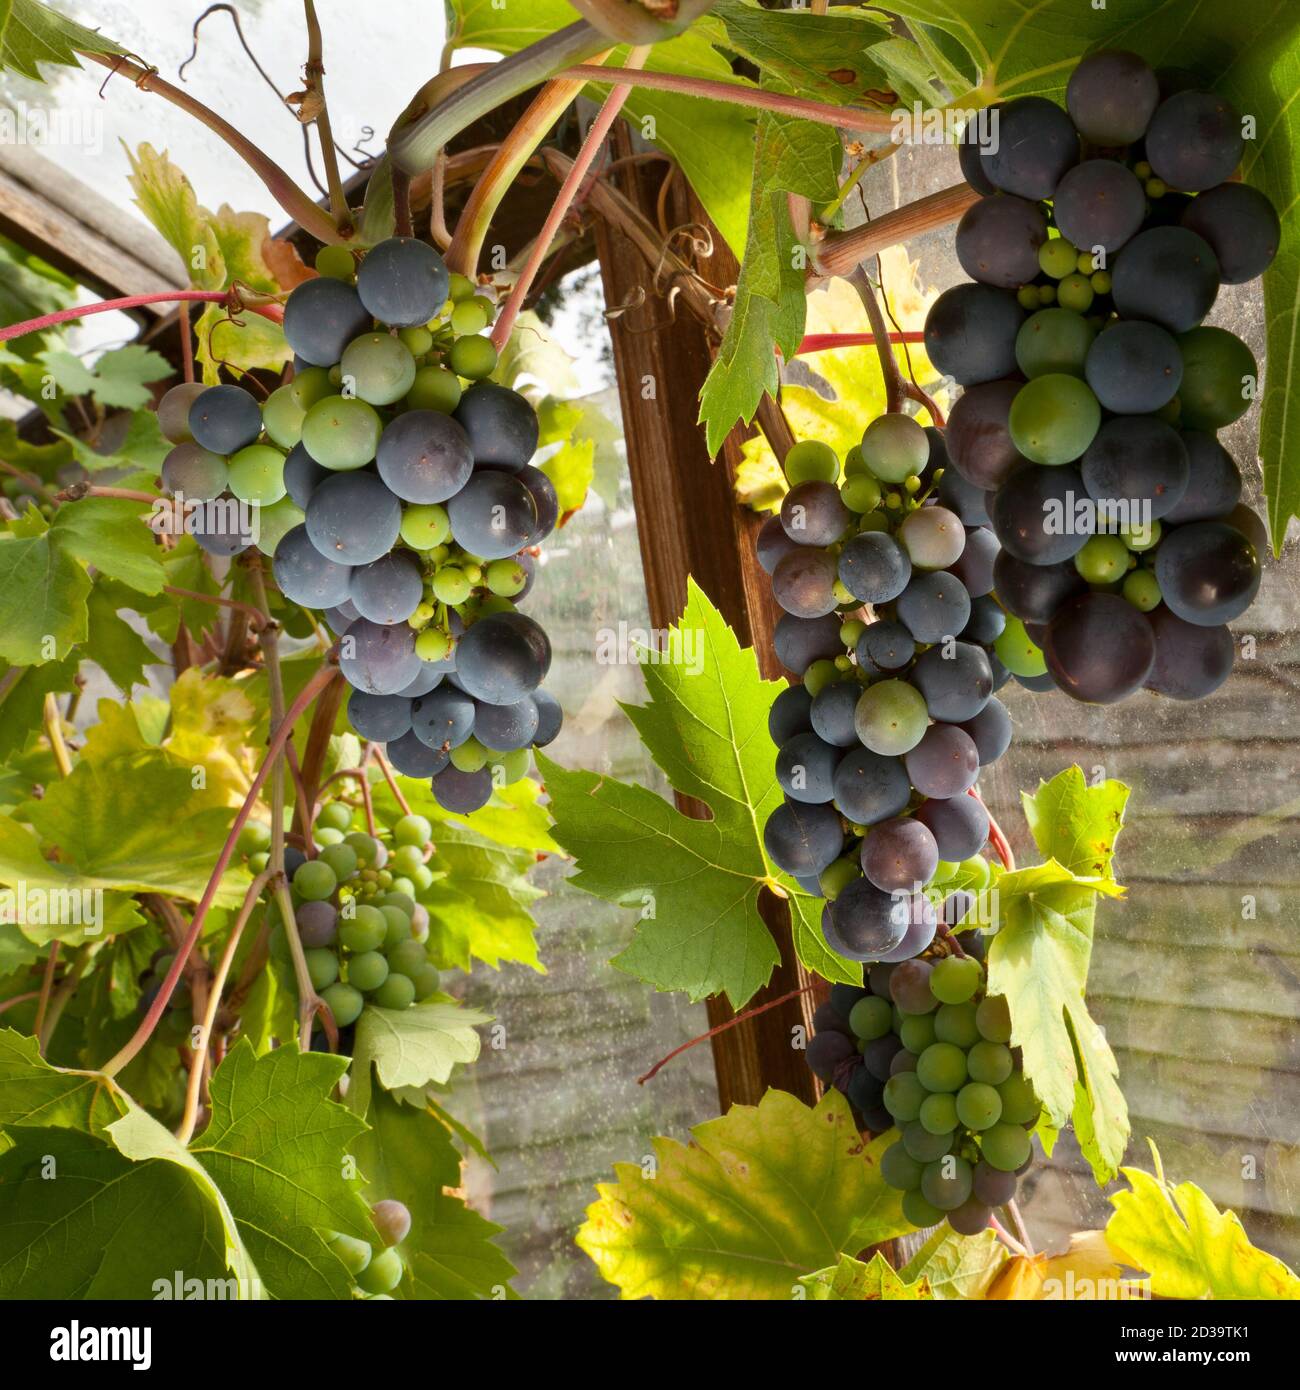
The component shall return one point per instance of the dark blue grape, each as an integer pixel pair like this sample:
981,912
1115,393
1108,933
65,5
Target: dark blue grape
424,456
885,646
1111,96
986,622
321,317
790,714
1208,572
803,583
1241,226
832,713
805,768
429,677
960,826
898,855
1139,462
991,731
546,499
974,566
934,606
869,787
550,718
1194,141
388,590
501,425
865,924
462,793
304,575
1036,144
827,1052
444,718
1034,514
873,567
504,728
1034,592
1213,480
223,419
945,763
403,282
412,757
379,660
970,333
1168,275
977,133
502,658
221,526
379,718
772,544
956,682
1099,648
353,518
966,499
493,516
979,435
1134,368
1192,661
813,514
798,642
302,475
998,239
1099,203
803,839
341,616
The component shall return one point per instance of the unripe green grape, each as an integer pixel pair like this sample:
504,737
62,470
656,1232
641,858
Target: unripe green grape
946,1184
345,1002
451,585
470,756
342,858
434,388
254,835
1017,652
978,1105
891,717
407,957
941,1067
1142,589
1053,340
417,340
492,603
257,474
425,525
337,815
273,524
1054,418
854,464
851,630
412,830
354,1253
920,1143
870,1017
403,884
920,1212
341,432
427,981
903,1096
365,931
860,493
1027,298
257,862
938,1114
336,262
1218,368
1075,292
282,416
367,971
874,521
392,1221
1005,1147
460,288
397,926
473,357
993,1018
382,1274
1142,537
328,837
989,1062
837,877
1020,1105
322,966
512,765
916,1032
469,316
977,871
397,992
955,979
506,577
819,675
899,1169
380,368
433,645
1103,559
1100,281
421,878
944,870
811,460
315,880
1057,258
955,1023
895,447
407,858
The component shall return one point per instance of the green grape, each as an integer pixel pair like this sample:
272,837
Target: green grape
891,717
1218,370
254,835
470,316
1100,282
1057,258
425,525
412,830
473,358
427,981
470,756
989,1062
1046,295
336,262
1019,1103
397,926
1005,1146
404,884
342,858
461,288
1075,292
870,1017
432,645
1027,298
341,432
327,837
491,603
378,368
274,523
861,493
407,858
176,1025
506,577
1142,537
895,447
451,585
1103,559
837,878
367,971
422,878
1084,263
382,1274
942,1066
397,992
854,464
345,1002
257,474
417,340
1053,340
978,1105
955,1023
396,898
322,966
371,853
407,957
1016,652
1053,418
944,872
282,416
903,1096
257,862
874,521
916,1031
955,979
315,880
1142,590
920,1143
512,765
851,630
337,815
434,388
365,931
811,461
918,1211
946,1183
938,1114
977,872
354,1253
899,1169
993,1018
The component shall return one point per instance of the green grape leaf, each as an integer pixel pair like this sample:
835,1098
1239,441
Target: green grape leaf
1187,1247
110,534
408,1155
850,1280
32,33
417,1047
243,344
32,1092
762,1197
515,817
696,882
23,707
114,645
16,952
142,447
1039,956
790,156
117,380
957,1267
42,600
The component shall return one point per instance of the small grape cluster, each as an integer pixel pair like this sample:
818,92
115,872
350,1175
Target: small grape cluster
926,1048
363,933
880,745
1093,387
377,1273
394,488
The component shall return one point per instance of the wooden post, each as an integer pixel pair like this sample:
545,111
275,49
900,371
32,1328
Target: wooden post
689,524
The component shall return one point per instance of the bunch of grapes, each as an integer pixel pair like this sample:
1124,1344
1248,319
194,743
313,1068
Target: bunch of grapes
1094,389
395,490
926,1048
377,1273
363,933
884,571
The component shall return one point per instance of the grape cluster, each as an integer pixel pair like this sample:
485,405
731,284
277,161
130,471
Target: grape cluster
924,1047
1093,388
363,933
880,745
394,488
377,1273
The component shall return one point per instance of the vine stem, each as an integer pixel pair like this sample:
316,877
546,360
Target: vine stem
997,837
378,755
47,984
15,999
825,342
359,774
1018,1221
274,312
318,683
54,732
255,616
64,991
839,252
895,391
1006,1237
591,146
189,1117
315,76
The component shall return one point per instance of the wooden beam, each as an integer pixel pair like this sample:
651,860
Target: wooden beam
689,524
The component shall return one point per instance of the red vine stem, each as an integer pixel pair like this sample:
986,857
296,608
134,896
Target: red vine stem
274,312
306,695
824,342
600,128
997,837
379,757
722,1028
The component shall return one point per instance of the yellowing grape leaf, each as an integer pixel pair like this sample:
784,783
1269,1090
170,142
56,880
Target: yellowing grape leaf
762,1197
852,1281
955,1266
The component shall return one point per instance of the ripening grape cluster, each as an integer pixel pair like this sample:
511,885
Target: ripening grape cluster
376,1272
395,490
926,1048
881,743
363,933
1093,387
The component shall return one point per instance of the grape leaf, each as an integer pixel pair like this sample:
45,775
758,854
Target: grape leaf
412,1047
32,33
761,1197
1187,1246
1040,953
852,1281
24,705
42,600
696,881
34,1093
116,380
142,447
114,645
957,1267
110,534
